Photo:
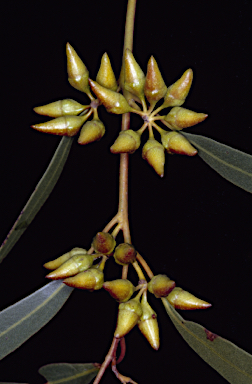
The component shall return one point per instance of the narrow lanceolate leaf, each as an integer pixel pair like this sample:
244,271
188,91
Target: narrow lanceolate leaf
39,196
233,165
234,364
21,320
69,373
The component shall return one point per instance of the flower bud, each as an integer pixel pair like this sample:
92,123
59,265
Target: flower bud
134,78
125,254
127,142
60,260
153,152
105,75
128,316
148,324
71,267
120,289
161,285
62,126
180,118
181,299
77,71
174,142
92,279
60,108
114,102
154,88
91,131
178,91
103,243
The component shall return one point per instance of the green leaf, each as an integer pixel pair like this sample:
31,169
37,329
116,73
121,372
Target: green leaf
69,373
234,364
233,165
21,320
39,196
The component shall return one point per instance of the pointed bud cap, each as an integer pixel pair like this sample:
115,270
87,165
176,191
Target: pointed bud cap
120,289
77,71
161,285
155,88
60,108
114,102
127,142
177,92
62,126
134,78
54,264
180,118
125,254
92,279
128,316
153,152
181,299
174,142
71,267
148,324
103,243
91,131
105,75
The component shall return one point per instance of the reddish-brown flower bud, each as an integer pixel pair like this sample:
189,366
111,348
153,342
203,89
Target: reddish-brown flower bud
161,285
103,243
125,254
154,87
177,92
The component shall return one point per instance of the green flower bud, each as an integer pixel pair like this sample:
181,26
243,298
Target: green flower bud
62,126
77,71
106,76
154,88
128,316
127,142
153,152
91,131
148,324
71,267
61,108
177,92
92,279
60,260
181,299
174,142
120,289
180,118
134,78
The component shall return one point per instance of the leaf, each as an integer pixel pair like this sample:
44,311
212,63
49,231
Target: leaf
230,361
39,195
21,320
69,373
233,165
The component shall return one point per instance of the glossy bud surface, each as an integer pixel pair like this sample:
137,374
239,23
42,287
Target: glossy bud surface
91,131
92,279
105,75
153,152
120,289
161,285
71,267
134,78
174,142
62,126
177,92
180,118
154,88
60,260
77,71
128,316
148,324
127,142
60,108
181,299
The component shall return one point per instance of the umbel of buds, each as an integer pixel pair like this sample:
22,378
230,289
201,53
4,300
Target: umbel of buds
161,285
153,152
148,324
128,316
120,289
181,299
174,142
92,279
127,142
91,131
103,243
60,108
125,254
71,267
60,260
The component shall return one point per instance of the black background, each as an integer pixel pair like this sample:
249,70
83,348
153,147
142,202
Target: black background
192,225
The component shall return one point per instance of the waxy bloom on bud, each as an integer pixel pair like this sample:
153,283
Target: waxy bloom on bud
91,131
60,260
181,299
154,88
60,108
120,289
134,78
174,142
105,75
177,92
125,254
161,285
103,243
180,118
77,71
153,152
71,267
114,102
148,324
92,279
127,142
62,126
128,316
